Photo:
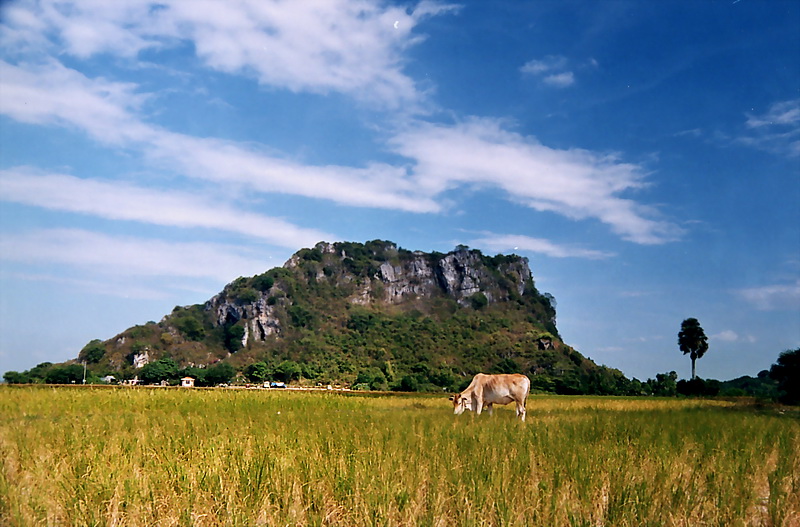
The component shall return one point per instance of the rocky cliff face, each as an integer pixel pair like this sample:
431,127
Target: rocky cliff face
372,274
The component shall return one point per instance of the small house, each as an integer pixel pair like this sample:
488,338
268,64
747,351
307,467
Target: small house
187,382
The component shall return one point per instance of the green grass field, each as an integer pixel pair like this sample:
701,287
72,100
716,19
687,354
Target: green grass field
91,456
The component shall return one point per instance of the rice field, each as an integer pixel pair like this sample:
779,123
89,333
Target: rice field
161,457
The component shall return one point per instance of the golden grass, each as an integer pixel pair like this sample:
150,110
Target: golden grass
87,456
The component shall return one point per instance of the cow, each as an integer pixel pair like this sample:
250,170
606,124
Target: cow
486,390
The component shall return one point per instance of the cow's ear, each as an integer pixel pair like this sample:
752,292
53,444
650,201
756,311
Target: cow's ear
451,397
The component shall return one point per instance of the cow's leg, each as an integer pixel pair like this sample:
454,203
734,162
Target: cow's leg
521,410
490,409
477,402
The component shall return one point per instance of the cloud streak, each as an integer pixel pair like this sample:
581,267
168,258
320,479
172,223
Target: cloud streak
777,130
112,256
522,243
576,183
345,46
552,70
774,297
123,201
477,152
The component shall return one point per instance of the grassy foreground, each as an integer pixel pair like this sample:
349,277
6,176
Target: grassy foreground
89,456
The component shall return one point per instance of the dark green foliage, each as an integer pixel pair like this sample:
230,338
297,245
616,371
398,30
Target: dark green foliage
698,387
161,370
301,317
72,374
247,295
664,385
232,337
222,373
506,366
15,377
262,282
92,352
38,373
692,340
287,371
787,373
372,378
409,383
362,320
189,321
364,260
257,372
762,386
479,301
311,255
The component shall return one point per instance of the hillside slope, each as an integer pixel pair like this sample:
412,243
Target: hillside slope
372,314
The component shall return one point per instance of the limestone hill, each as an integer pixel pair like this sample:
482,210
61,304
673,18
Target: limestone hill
371,314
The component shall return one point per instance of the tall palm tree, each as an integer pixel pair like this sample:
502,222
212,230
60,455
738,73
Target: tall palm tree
692,340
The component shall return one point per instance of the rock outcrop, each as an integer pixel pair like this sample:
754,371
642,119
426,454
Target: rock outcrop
401,276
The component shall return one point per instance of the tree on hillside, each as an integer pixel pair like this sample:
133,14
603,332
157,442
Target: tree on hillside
165,369
692,340
92,352
787,373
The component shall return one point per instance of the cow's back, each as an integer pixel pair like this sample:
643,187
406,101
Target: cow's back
504,388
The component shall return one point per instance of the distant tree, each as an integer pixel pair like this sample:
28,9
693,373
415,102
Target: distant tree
220,374
191,327
15,377
92,352
263,282
160,370
301,317
664,385
257,372
478,300
692,340
287,371
38,373
72,374
698,387
409,383
506,365
787,373
233,335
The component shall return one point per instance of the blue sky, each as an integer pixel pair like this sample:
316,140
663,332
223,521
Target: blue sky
643,155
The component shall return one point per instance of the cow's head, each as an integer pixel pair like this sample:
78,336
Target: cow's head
460,403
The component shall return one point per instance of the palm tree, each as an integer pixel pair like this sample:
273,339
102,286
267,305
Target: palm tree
692,340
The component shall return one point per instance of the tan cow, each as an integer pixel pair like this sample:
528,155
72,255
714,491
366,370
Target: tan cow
486,390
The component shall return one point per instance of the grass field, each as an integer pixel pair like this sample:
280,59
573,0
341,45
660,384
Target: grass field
91,456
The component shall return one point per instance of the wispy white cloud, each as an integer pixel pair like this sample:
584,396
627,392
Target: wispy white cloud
544,65
731,336
52,94
774,297
49,93
777,130
560,80
351,47
106,255
522,243
575,183
552,70
124,201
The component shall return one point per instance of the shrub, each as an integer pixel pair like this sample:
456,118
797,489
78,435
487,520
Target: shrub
263,282
92,352
479,301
